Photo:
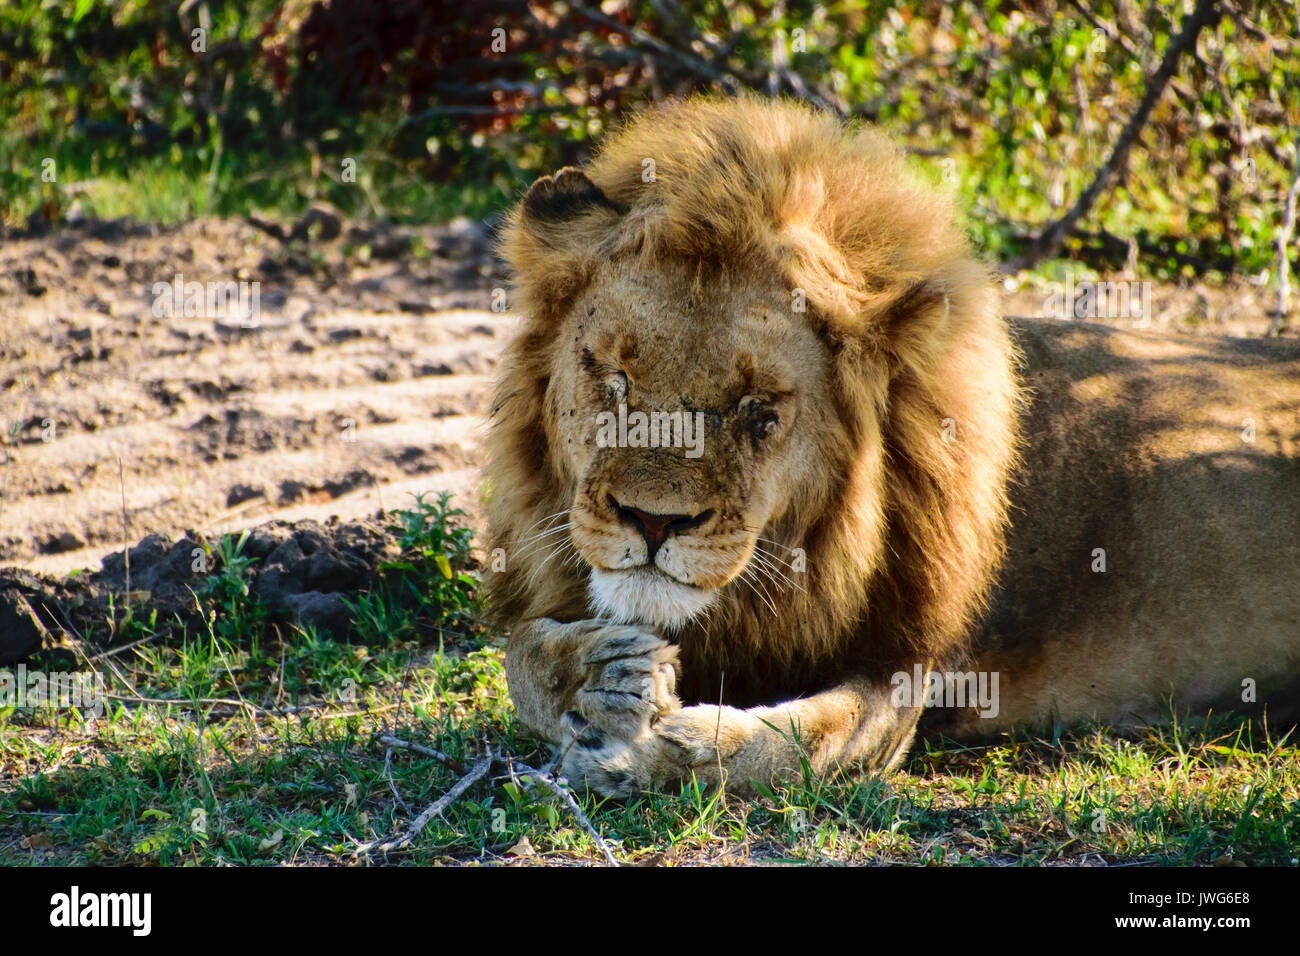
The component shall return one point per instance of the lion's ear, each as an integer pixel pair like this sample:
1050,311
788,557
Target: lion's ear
564,197
914,319
563,223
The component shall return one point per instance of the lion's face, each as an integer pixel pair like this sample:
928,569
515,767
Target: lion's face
688,410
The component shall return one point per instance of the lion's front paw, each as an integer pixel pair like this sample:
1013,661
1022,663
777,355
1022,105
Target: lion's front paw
690,740
600,762
631,678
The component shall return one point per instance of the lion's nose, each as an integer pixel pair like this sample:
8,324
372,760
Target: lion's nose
656,528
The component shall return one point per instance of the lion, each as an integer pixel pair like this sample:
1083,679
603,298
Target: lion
750,458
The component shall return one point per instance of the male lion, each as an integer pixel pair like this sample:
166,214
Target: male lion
750,453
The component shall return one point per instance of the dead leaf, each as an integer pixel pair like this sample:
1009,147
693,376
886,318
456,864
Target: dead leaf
523,848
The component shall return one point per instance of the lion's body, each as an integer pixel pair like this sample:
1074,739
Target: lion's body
1179,457
841,515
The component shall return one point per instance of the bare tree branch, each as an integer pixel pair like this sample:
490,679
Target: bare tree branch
397,743
1050,240
1112,33
561,790
1283,241
558,787
476,773
643,39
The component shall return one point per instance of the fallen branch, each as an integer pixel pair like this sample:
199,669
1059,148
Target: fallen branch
392,784
476,773
191,701
125,647
563,791
557,787
397,743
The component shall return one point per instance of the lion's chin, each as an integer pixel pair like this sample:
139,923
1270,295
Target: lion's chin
646,596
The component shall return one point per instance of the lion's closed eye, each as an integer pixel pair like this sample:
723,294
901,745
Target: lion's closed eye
612,378
616,386
761,417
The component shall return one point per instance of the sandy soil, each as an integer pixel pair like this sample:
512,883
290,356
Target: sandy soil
365,379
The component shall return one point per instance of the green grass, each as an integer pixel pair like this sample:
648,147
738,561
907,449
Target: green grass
257,742
180,185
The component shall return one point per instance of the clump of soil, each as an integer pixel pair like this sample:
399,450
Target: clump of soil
302,572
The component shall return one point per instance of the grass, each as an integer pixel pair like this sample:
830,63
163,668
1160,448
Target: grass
255,742
179,186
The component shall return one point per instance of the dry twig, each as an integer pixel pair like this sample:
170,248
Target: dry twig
565,793
556,786
392,784
397,743
476,773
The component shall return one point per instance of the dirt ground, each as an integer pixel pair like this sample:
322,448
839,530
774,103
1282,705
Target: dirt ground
366,377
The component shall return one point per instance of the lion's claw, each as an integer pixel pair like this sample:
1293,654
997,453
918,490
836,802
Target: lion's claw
631,682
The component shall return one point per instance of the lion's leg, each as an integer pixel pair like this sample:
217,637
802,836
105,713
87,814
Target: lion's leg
854,724
620,679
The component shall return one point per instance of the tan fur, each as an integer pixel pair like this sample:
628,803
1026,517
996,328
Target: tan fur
1139,444
844,520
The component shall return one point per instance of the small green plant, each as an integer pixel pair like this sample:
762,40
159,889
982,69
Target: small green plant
128,627
237,612
428,530
379,614
170,836
431,584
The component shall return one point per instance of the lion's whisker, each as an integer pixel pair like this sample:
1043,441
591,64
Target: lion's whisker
763,595
774,576
762,560
524,533
527,537
537,540
766,591
547,518
774,557
559,548
540,540
574,560
532,578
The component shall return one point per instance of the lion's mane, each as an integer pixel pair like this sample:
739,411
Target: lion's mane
903,551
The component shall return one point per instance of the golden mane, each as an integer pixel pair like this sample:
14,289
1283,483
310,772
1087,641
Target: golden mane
903,544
